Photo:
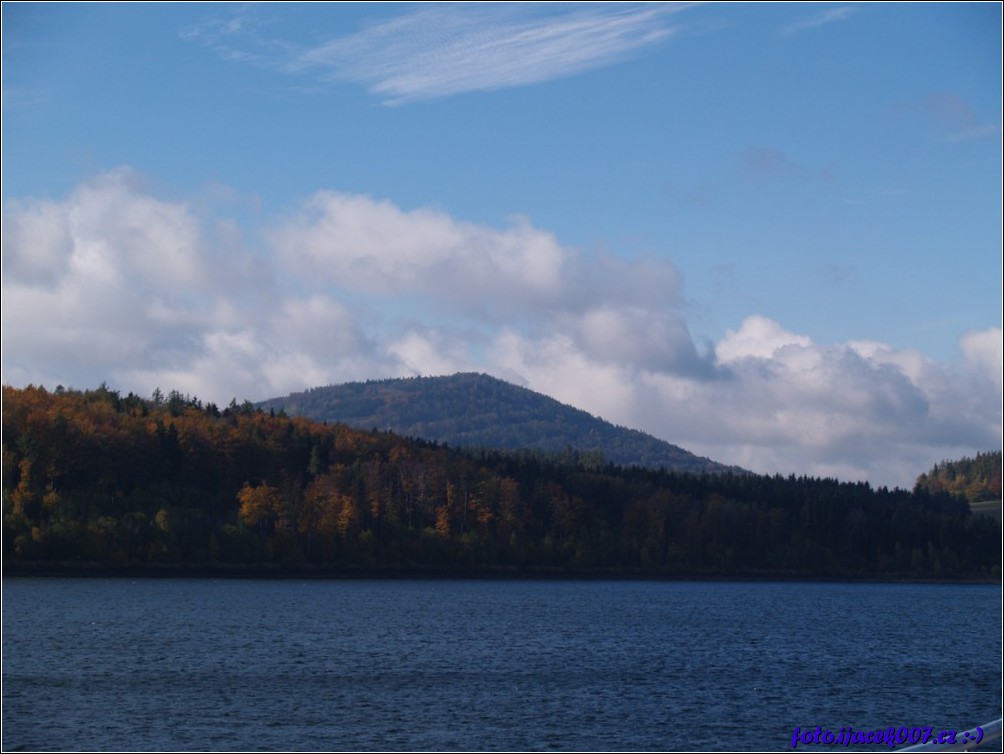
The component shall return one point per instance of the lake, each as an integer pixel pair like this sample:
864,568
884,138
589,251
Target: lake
180,664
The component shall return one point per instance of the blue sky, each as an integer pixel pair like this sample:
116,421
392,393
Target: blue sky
769,233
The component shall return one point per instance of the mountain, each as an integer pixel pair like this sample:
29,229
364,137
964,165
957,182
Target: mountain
476,410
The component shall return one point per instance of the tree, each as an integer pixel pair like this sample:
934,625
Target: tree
260,506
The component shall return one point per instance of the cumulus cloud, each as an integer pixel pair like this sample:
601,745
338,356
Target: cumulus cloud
785,403
984,352
758,337
555,365
614,310
106,231
429,351
362,244
651,339
101,278
116,284
778,402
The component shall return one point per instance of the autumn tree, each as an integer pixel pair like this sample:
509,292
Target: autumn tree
259,506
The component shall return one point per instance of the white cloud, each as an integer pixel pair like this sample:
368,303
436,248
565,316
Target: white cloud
362,244
319,325
554,365
781,403
798,407
101,279
115,284
984,351
650,339
859,410
424,352
105,231
42,228
614,310
757,337
442,50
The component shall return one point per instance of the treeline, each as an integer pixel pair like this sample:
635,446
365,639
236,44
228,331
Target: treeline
94,477
975,479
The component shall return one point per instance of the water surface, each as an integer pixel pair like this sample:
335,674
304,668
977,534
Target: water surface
103,664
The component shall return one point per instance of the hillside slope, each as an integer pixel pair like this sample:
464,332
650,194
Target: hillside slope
97,483
476,410
976,479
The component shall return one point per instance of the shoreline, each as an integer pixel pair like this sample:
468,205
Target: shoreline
64,569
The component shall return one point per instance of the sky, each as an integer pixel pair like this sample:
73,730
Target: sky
767,233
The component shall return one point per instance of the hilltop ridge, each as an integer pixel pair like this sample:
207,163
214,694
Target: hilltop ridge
479,411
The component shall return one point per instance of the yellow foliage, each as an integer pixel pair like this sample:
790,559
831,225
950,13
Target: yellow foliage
259,504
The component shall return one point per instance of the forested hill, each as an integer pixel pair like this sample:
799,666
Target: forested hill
93,479
976,479
478,411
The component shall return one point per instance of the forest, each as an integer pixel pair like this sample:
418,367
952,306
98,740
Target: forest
975,479
94,478
479,411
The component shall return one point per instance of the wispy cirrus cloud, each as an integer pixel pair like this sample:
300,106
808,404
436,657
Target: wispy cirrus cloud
819,19
443,50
